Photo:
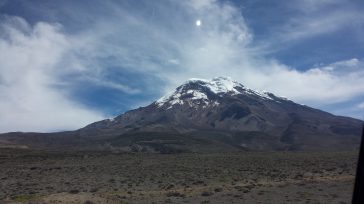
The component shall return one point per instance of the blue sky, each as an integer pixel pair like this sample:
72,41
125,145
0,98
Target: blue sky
64,64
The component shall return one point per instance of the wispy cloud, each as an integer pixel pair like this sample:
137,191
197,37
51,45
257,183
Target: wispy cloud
309,19
310,6
361,105
110,84
309,26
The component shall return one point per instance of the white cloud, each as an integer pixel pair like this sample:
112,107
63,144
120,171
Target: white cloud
28,68
336,82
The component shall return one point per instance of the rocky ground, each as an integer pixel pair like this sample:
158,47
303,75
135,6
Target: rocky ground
244,177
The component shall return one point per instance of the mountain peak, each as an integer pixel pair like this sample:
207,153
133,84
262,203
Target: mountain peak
197,91
217,84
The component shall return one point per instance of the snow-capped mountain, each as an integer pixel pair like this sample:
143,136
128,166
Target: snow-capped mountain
223,112
214,115
197,92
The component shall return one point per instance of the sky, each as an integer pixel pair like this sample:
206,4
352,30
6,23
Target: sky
65,64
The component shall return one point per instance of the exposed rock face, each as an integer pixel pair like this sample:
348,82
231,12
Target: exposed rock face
219,115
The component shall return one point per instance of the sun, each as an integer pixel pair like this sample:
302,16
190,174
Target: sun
198,23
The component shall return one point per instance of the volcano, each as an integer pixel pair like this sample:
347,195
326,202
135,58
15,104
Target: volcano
208,116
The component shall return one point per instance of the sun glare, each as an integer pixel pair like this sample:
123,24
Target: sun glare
198,23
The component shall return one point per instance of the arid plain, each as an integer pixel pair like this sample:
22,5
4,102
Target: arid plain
29,176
